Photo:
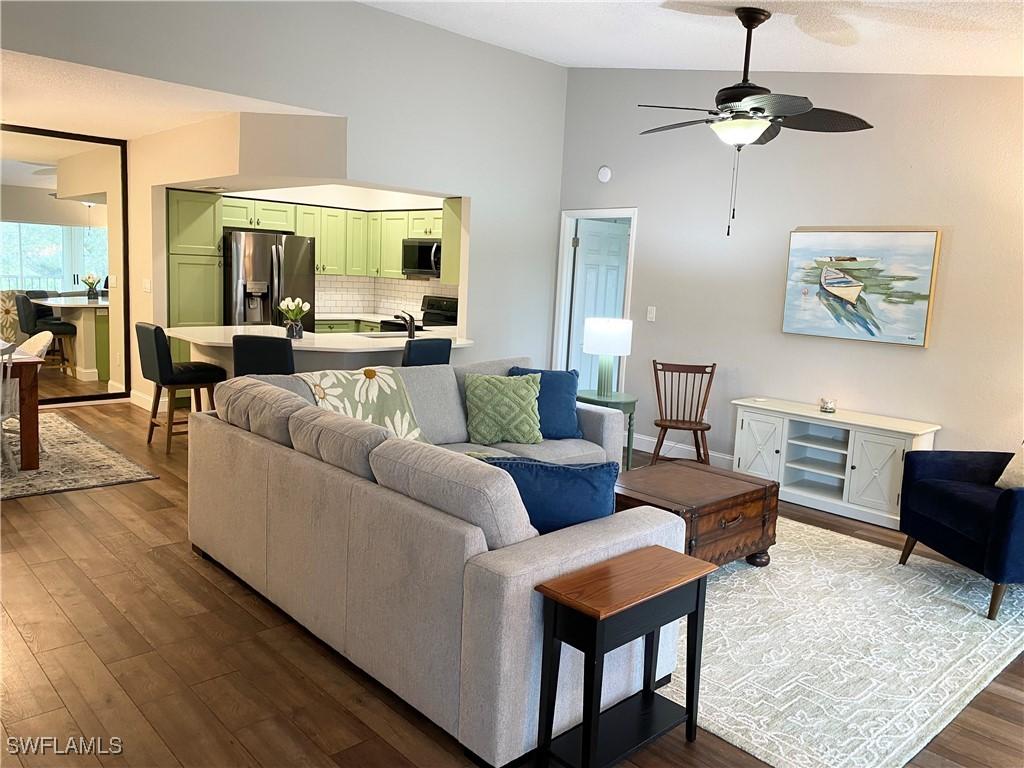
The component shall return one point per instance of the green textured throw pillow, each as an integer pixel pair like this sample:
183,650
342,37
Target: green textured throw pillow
503,409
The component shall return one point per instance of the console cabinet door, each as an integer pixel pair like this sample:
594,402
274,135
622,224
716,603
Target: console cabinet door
759,444
876,471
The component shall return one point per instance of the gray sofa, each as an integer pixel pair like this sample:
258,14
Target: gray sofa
416,563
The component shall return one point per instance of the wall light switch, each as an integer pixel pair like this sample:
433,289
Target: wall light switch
147,285
651,312
112,281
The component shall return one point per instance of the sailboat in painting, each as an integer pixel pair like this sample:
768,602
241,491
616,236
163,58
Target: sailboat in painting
841,285
847,263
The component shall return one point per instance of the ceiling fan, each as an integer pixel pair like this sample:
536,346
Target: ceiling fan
747,113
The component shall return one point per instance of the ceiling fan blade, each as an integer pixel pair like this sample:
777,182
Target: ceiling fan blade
776,104
769,133
673,126
689,109
826,121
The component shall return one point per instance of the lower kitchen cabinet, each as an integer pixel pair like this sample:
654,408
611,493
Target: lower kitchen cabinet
195,294
355,253
368,327
394,228
335,326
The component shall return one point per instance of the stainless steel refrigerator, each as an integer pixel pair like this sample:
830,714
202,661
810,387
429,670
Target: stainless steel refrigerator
261,269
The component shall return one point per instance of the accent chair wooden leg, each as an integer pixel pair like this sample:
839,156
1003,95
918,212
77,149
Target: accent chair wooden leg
998,590
657,446
908,547
172,395
152,414
704,447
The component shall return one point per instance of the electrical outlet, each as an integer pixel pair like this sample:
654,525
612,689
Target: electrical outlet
651,312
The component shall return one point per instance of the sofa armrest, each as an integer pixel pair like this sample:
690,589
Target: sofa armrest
603,426
982,467
1004,557
502,625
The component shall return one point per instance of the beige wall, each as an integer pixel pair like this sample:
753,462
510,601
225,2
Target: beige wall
34,205
718,299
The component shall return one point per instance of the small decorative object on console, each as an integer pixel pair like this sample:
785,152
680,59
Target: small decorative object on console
293,311
827,405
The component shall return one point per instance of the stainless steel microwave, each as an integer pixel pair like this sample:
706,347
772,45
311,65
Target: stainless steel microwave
421,256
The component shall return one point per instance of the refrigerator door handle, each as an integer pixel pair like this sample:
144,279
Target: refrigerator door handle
276,266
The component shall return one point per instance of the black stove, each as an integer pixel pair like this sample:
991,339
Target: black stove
440,310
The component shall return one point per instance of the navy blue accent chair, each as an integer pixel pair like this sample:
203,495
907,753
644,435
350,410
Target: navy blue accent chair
950,503
427,352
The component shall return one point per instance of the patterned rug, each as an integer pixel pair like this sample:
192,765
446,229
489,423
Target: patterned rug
70,461
835,656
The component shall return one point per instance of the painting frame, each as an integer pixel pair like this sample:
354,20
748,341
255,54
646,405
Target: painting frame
874,279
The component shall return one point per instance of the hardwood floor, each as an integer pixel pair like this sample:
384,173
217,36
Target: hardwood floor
53,383
112,627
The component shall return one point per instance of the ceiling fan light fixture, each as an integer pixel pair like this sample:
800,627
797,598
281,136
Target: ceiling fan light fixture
740,131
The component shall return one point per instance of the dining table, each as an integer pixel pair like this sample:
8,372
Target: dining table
26,370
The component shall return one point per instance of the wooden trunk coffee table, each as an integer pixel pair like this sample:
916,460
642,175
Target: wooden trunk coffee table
728,515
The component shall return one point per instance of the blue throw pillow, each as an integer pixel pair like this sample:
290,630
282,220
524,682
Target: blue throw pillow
559,495
556,402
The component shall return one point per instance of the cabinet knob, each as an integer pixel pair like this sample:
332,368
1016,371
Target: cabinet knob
219,246
853,467
257,222
777,450
250,222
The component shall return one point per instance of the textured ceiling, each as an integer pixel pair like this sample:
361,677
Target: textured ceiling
940,38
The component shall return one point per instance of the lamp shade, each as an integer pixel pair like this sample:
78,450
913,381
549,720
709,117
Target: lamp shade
607,336
740,131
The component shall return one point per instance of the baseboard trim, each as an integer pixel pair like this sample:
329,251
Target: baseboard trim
675,450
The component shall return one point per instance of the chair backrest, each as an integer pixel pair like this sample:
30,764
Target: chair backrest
41,311
154,353
683,390
38,344
262,355
427,352
27,314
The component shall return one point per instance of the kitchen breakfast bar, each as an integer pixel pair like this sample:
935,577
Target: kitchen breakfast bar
314,351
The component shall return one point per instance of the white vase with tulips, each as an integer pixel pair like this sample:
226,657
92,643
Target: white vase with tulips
293,311
91,281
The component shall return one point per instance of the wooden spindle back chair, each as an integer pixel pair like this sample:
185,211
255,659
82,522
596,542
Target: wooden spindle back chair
683,392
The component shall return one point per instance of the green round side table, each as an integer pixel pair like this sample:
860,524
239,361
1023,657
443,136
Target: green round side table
620,401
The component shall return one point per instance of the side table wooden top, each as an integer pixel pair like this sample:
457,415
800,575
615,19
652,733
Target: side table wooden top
604,589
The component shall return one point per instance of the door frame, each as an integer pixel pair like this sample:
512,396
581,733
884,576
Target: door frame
122,145
564,279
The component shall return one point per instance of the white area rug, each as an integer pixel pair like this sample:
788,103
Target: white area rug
835,656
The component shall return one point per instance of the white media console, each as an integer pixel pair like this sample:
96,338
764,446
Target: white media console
848,463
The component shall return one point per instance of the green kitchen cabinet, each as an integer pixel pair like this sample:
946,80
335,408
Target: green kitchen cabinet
195,290
238,212
280,217
355,252
335,326
307,222
373,244
425,223
366,326
333,236
194,223
451,241
394,228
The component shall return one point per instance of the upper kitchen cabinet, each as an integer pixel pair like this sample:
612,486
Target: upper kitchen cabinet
394,228
451,242
355,254
238,212
425,223
373,244
194,223
330,258
279,217
307,222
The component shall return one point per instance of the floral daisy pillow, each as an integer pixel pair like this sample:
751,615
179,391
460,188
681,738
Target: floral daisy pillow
374,395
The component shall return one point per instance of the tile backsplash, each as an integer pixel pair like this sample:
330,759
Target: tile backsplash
379,295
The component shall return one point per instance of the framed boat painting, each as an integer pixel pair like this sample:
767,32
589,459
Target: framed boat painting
865,285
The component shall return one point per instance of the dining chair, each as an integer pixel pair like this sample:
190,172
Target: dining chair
34,318
157,366
683,392
7,385
427,352
265,355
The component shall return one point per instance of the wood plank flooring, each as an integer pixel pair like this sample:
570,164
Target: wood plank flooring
53,383
110,626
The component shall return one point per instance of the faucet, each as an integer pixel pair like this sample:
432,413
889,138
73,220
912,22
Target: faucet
410,323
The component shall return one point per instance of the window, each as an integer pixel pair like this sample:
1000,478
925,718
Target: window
50,257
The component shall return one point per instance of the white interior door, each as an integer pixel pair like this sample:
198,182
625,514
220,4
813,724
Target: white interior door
599,286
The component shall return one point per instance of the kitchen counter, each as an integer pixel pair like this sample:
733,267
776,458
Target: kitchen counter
314,351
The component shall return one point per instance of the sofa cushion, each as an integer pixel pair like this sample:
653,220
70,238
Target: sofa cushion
556,402
1013,475
260,408
288,381
557,496
558,451
465,488
470,448
487,368
434,395
336,439
966,508
503,408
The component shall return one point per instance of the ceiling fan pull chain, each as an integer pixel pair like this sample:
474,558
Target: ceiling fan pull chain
732,193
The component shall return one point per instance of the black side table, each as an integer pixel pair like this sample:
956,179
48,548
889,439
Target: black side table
600,608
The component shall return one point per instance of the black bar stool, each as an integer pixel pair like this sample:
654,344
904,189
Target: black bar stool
34,318
427,352
262,355
155,357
